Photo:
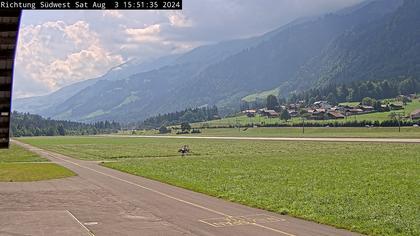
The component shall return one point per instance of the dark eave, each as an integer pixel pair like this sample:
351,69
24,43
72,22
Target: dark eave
9,28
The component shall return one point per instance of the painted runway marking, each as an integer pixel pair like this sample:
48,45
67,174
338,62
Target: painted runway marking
80,223
53,155
90,223
241,220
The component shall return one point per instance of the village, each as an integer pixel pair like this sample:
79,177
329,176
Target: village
324,110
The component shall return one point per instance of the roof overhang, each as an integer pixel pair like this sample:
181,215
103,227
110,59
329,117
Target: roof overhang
9,29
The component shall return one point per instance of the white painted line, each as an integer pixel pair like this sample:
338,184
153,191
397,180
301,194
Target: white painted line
90,223
80,223
275,230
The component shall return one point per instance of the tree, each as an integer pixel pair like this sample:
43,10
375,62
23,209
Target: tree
393,116
272,102
52,131
285,115
367,101
164,130
378,106
185,126
25,124
332,99
61,130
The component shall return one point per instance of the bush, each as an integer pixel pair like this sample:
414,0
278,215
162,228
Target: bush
196,131
164,130
182,132
185,126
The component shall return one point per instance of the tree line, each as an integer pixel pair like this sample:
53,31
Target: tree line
189,115
356,91
25,124
345,92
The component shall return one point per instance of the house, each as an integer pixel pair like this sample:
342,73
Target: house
404,98
415,115
367,108
354,111
309,110
272,113
396,106
293,113
336,108
294,106
318,114
322,104
320,110
269,113
250,113
335,115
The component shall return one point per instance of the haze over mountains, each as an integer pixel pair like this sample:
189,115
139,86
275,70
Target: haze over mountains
375,40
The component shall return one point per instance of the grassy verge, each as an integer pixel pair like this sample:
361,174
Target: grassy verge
370,188
28,172
14,167
18,154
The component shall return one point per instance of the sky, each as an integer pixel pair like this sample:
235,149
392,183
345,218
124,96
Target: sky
59,48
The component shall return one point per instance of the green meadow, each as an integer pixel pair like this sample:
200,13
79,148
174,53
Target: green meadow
19,165
371,188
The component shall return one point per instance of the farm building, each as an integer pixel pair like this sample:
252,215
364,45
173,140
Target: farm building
415,115
335,115
396,106
250,113
269,113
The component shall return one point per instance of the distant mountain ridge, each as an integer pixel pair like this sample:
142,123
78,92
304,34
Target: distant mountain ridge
387,48
296,56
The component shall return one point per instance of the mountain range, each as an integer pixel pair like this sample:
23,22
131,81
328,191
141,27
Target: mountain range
374,40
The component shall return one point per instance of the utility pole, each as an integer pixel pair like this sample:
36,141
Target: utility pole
237,124
399,122
303,125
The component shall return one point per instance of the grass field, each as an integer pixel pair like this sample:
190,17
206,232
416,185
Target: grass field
370,188
19,165
18,154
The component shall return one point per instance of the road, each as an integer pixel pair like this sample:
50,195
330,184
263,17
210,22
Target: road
104,201
371,140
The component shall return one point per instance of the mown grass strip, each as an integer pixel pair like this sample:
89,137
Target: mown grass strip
28,172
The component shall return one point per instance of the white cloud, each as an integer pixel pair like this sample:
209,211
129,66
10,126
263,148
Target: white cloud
91,62
178,19
144,35
113,14
56,54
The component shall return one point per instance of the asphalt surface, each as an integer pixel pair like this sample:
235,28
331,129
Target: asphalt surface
102,201
346,140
